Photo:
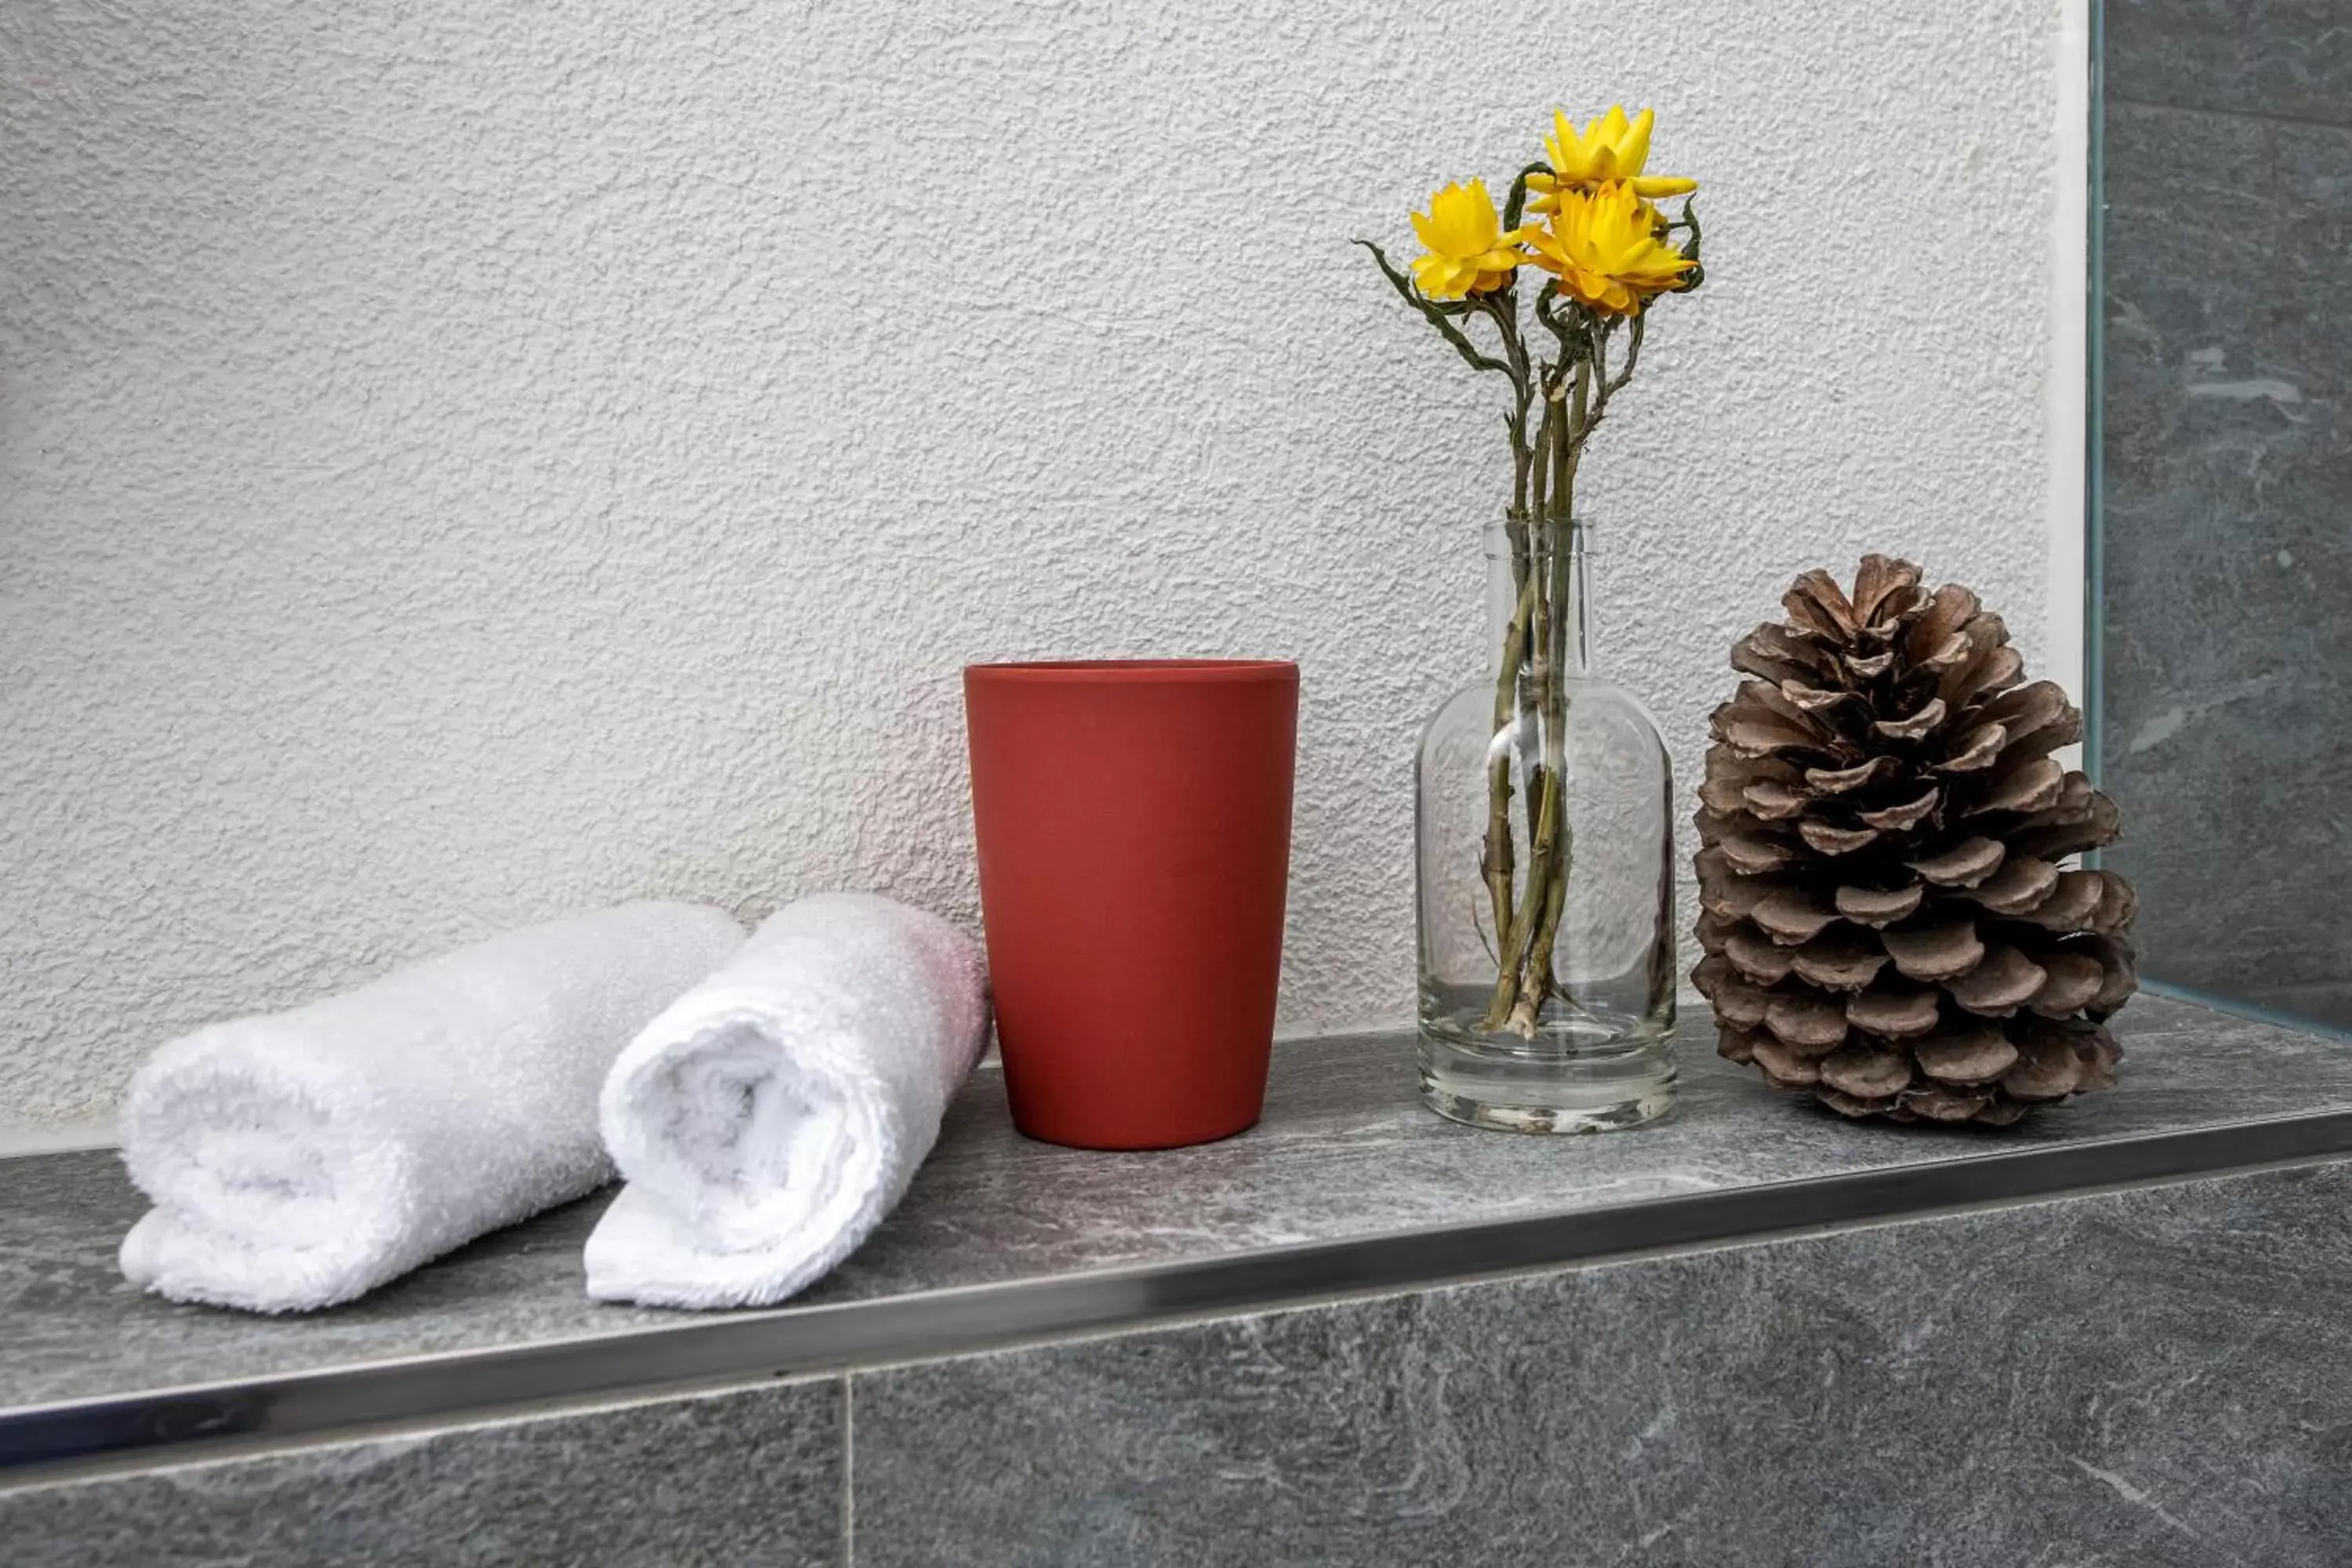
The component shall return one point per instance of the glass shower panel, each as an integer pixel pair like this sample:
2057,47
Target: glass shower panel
2222,492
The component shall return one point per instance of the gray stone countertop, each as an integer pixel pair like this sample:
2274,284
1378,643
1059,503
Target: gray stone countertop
1345,1151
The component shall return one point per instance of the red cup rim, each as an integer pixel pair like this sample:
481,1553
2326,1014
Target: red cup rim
1093,670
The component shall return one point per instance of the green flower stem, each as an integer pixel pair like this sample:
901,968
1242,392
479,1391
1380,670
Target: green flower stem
1502,308
1525,667
1551,854
1498,862
1515,1006
1525,979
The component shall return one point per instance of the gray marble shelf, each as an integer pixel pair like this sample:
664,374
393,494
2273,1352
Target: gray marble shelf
1345,1152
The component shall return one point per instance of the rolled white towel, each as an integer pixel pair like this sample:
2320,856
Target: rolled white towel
300,1159
773,1115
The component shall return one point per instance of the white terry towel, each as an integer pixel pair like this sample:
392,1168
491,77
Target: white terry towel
768,1121
303,1158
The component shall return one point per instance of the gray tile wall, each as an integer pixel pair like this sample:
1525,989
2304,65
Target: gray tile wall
750,1477
2154,1378
2157,1378
2227,459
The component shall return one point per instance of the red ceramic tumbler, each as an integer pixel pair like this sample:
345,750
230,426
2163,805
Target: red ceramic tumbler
1134,835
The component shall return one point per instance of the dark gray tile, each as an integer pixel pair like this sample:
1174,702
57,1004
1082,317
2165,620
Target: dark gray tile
2160,1378
2227,453
744,1476
2290,58
1346,1150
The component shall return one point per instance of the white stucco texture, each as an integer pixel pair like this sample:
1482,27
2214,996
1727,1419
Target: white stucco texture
464,463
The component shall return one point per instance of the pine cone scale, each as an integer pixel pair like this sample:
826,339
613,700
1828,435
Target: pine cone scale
1896,818
1964,865
1879,906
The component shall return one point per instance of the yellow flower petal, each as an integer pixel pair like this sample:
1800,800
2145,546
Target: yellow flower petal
1605,248
1561,146
1610,148
1655,185
1634,144
1466,217
1466,247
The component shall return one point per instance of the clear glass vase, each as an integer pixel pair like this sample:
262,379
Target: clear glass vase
1545,860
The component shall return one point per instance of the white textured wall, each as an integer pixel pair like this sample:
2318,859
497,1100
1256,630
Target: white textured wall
463,462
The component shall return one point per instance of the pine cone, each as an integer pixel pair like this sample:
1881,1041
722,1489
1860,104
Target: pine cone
1887,920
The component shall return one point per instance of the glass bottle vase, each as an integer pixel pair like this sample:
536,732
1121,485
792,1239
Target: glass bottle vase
1546,872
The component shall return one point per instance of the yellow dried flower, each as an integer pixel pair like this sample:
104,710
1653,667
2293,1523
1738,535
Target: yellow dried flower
1612,148
1468,251
1606,247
